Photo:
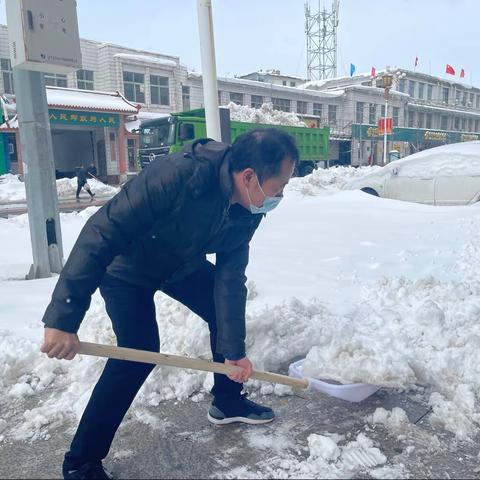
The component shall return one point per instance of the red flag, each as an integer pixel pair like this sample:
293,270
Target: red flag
462,73
416,61
449,69
374,72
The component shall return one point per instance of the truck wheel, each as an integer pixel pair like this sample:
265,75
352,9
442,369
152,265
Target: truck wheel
370,191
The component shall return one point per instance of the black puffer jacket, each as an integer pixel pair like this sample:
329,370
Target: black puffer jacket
157,230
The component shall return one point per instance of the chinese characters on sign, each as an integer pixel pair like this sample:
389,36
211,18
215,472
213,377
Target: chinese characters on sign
91,119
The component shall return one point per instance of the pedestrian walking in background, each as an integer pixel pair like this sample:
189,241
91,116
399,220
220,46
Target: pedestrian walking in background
82,173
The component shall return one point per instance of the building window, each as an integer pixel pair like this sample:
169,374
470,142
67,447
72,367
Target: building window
421,90
359,112
457,97
185,98
281,104
464,124
318,108
301,107
429,92
396,112
411,119
477,125
55,80
256,101
472,100
219,98
159,90
401,85
445,94
292,84
470,125
236,98
284,83
421,120
134,86
372,114
382,110
411,88
478,101
7,74
85,79
429,121
444,122
464,99
332,114
456,123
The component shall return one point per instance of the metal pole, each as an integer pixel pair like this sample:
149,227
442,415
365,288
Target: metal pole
209,69
39,170
385,130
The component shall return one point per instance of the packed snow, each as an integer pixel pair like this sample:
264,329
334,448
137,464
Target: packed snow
367,289
12,189
266,114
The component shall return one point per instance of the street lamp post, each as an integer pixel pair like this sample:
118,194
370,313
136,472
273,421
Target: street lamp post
387,85
388,79
209,69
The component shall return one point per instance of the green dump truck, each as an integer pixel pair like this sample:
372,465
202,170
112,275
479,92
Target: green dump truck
169,134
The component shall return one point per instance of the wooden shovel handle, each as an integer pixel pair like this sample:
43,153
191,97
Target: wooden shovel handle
121,353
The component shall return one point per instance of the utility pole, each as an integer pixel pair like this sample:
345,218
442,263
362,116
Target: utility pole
43,37
209,69
39,174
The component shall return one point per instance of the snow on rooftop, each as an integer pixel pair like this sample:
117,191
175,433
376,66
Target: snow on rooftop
88,99
79,99
147,58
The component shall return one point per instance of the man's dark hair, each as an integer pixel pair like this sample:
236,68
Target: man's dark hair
263,150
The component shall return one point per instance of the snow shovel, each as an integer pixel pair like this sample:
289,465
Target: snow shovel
131,354
354,392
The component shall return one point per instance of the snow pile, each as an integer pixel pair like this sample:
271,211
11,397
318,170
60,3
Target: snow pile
264,115
325,180
373,290
13,190
330,456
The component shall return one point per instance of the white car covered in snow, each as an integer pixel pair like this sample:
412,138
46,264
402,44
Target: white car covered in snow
446,175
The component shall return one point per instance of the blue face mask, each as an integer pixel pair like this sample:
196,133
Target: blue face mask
269,203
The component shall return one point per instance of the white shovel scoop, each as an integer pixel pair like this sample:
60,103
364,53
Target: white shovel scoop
354,393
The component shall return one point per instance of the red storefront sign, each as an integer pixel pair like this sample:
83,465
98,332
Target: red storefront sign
385,123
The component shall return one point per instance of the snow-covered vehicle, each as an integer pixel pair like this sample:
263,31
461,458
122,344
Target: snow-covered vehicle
446,175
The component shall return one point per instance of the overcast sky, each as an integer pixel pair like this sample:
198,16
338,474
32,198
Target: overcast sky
254,34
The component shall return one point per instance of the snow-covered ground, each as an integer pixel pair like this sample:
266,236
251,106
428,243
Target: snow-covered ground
368,289
12,190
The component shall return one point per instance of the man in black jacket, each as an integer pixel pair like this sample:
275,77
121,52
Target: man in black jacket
82,182
154,235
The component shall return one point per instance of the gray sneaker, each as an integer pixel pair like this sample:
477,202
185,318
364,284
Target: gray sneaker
239,410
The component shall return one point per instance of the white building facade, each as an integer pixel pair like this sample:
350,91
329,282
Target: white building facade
426,110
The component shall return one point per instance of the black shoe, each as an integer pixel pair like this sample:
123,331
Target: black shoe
239,409
90,470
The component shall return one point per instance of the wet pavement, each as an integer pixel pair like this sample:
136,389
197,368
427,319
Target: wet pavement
175,440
